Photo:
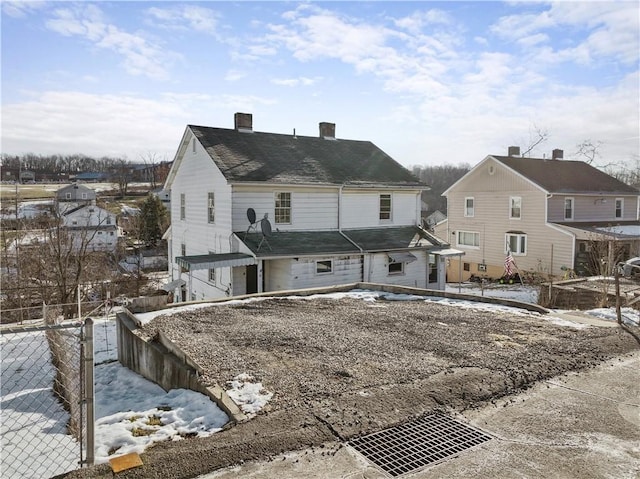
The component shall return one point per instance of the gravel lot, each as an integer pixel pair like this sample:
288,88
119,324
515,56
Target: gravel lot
339,368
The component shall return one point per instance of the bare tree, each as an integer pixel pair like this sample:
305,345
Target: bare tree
588,151
151,161
537,136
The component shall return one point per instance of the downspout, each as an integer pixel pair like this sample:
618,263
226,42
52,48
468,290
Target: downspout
344,235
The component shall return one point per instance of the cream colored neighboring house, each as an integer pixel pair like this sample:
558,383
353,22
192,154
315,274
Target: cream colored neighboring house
549,212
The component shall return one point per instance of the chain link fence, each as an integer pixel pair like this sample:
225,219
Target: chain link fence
46,399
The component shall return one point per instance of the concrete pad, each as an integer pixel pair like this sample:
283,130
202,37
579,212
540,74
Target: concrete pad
583,425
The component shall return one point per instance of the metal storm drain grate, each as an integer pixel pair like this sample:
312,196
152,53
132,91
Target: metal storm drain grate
418,443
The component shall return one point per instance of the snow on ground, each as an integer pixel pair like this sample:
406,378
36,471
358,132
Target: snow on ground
132,413
630,316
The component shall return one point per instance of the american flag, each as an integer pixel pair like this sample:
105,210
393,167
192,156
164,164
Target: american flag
508,261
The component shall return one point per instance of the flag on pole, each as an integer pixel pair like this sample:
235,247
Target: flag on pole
508,262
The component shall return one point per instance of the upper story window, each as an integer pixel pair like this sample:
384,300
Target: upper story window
515,208
568,208
67,196
84,196
469,207
108,219
468,238
211,208
516,243
183,206
283,208
324,266
619,207
385,206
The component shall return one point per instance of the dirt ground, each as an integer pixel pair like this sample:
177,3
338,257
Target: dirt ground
343,368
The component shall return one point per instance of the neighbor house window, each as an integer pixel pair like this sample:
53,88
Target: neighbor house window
212,272
283,208
515,208
469,207
619,207
396,267
468,238
211,207
385,207
108,220
183,206
568,208
84,196
324,266
67,196
516,243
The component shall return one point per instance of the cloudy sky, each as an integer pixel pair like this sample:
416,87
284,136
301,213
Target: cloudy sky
428,82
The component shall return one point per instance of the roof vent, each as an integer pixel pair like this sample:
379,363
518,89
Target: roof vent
243,121
557,154
328,130
514,151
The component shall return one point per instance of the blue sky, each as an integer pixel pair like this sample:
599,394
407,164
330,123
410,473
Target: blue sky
428,82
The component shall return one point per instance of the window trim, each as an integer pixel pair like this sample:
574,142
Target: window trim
564,207
463,245
385,214
211,272
183,206
468,214
520,237
322,261
621,200
511,201
395,264
211,207
277,210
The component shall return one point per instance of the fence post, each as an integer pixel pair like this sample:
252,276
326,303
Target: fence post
89,390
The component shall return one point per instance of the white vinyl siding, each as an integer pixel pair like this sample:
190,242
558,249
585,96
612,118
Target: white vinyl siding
302,273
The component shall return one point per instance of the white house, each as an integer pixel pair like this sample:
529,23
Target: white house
254,212
92,226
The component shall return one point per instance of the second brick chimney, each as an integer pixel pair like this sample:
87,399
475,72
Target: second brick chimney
327,130
243,121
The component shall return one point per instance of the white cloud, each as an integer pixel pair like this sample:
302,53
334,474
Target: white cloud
141,56
300,81
234,75
185,17
20,9
418,20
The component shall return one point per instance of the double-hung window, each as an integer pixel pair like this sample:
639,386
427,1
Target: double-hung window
469,207
619,207
515,208
211,208
183,206
283,208
385,206
568,208
516,243
212,272
469,239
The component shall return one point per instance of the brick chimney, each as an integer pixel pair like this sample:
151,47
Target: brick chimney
514,151
243,121
327,130
557,154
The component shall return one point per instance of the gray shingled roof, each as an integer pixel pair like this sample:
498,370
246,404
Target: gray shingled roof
293,243
277,158
565,176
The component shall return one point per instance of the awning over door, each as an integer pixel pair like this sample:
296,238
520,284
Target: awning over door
402,257
447,252
211,261
171,285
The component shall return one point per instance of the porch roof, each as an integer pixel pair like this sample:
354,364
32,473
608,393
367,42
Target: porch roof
603,230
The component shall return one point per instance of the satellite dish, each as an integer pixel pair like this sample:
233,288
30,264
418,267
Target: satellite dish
265,226
251,215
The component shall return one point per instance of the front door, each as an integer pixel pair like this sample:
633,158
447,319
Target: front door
252,279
